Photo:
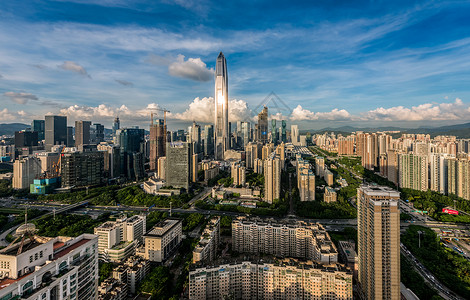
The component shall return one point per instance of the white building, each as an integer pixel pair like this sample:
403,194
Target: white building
50,268
25,170
163,239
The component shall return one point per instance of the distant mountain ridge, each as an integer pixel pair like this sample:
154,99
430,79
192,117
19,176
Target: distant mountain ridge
9,129
459,130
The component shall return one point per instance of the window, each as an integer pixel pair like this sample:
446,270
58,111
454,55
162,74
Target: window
41,254
31,259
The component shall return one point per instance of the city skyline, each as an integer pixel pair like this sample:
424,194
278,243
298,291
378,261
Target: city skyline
368,63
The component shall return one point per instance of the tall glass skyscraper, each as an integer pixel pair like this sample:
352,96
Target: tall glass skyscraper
221,128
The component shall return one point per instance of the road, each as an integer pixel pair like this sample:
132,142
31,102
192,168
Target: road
443,291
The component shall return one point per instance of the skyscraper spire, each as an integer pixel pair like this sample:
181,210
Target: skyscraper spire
221,128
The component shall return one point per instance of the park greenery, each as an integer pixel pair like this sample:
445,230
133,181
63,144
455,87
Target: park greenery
67,225
348,233
433,202
254,179
413,280
7,191
341,209
449,267
215,180
157,283
105,270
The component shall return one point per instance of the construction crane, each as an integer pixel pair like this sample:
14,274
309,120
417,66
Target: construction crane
164,115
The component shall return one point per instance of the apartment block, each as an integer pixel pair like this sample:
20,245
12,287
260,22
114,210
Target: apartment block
287,279
132,272
413,171
163,239
50,268
329,195
25,170
238,174
112,289
307,185
118,239
272,178
297,239
378,242
206,249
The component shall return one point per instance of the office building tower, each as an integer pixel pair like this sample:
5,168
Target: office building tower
157,142
25,170
96,133
112,159
39,127
131,142
195,137
378,242
118,239
413,171
221,129
178,164
284,131
161,241
206,249
26,139
80,169
287,279
194,167
263,126
82,133
161,171
50,268
295,136
116,125
208,140
70,140
246,133
56,131
274,132
283,239
272,178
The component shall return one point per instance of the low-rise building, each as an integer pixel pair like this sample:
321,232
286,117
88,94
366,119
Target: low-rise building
206,249
163,239
329,195
112,289
348,255
132,272
287,279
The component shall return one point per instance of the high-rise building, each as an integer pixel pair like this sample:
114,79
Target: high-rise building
413,171
39,127
157,142
163,239
161,171
294,134
238,174
272,179
55,131
206,249
70,141
25,170
50,268
283,131
178,164
283,239
82,168
118,239
378,242
96,134
287,279
246,133
274,132
253,151
221,129
263,126
307,185
131,142
26,139
112,159
82,133
116,125
208,140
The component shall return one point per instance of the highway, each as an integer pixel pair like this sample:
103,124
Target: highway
443,291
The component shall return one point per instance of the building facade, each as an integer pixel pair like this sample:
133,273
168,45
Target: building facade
163,239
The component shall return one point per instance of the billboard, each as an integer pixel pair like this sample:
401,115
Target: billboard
450,211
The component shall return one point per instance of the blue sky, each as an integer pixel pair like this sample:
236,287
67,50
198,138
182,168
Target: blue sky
334,63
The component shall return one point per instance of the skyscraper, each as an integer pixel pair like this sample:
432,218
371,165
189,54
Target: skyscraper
272,179
131,142
82,133
38,125
294,134
263,126
283,131
221,129
178,164
378,242
157,142
56,131
116,125
208,140
274,132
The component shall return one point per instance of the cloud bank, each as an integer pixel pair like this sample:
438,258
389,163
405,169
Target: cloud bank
20,98
192,68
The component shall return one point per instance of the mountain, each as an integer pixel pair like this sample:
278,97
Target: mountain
459,130
9,129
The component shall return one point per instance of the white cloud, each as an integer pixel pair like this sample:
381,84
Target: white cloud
20,116
428,111
20,98
193,68
74,67
202,110
301,114
102,111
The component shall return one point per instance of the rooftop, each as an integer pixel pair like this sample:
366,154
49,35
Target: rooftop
163,227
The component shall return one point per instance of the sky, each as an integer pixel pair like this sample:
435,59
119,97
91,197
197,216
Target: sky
331,63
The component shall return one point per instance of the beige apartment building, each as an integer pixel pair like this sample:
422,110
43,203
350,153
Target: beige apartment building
206,249
283,239
378,242
329,195
163,239
272,178
286,279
